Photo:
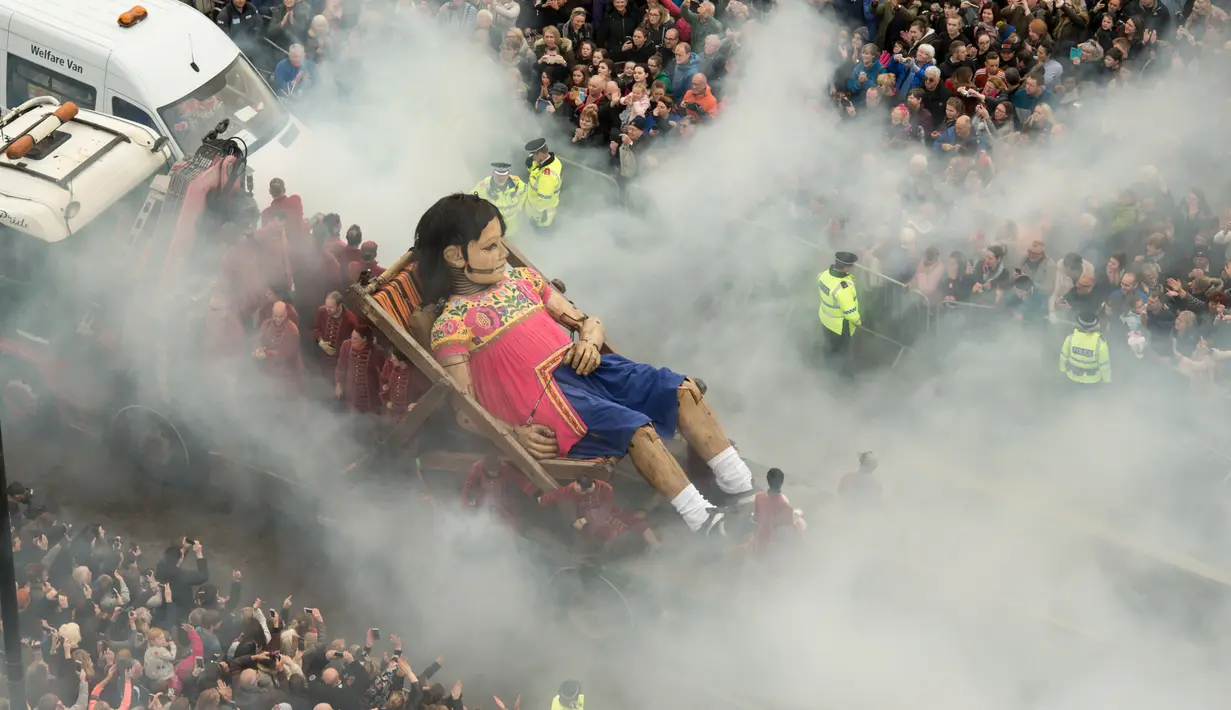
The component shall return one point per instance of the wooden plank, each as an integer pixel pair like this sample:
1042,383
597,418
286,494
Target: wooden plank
572,469
415,418
560,469
487,425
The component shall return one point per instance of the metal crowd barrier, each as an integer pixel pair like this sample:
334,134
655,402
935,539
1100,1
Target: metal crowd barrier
579,174
901,347
952,315
893,306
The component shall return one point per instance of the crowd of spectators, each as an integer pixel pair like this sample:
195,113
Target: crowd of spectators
107,626
637,75
958,94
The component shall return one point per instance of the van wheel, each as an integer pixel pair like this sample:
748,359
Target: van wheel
24,400
151,441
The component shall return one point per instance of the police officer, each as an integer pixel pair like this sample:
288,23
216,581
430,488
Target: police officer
543,195
839,308
1085,358
570,697
506,192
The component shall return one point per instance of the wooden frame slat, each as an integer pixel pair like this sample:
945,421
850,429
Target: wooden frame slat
487,425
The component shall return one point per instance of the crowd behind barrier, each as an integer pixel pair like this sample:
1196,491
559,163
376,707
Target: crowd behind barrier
107,625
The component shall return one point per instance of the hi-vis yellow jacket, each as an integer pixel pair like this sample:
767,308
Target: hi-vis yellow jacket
839,302
507,199
1084,358
543,195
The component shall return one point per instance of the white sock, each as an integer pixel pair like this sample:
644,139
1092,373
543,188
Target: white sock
692,507
732,474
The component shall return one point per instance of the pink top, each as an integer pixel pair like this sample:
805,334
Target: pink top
514,346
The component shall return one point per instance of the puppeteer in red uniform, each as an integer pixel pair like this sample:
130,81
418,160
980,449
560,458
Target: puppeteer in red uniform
332,327
400,386
366,262
277,352
861,488
276,294
352,252
357,376
289,207
597,517
494,484
773,514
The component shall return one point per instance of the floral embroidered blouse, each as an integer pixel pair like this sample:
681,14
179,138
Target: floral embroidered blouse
514,346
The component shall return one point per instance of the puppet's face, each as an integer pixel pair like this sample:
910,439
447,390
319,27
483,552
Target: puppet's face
484,260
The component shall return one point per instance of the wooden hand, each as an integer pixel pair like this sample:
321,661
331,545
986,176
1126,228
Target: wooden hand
584,357
538,440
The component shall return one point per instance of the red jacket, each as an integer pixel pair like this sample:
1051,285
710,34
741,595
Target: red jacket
358,371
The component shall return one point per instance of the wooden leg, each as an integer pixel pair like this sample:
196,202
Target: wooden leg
698,423
655,464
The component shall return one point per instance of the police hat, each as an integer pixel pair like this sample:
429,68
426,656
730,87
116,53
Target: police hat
1087,320
569,690
537,145
501,168
846,258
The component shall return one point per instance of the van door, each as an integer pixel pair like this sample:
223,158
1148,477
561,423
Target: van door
35,65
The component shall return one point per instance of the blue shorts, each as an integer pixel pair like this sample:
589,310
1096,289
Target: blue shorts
616,400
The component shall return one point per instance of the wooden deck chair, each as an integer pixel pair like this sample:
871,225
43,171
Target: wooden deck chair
395,309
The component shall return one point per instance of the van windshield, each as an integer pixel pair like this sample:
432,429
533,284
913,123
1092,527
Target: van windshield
238,94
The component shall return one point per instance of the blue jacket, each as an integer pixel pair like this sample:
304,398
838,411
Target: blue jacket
285,73
870,18
682,74
1023,101
858,92
909,76
1032,308
949,137
651,121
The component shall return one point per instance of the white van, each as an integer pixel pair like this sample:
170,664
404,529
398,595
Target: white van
81,172
175,71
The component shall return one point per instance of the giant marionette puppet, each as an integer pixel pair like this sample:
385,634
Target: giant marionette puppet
505,335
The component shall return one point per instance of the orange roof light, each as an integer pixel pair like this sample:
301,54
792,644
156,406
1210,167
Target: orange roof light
133,16
18,149
66,112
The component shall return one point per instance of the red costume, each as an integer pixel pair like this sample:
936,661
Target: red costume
334,330
334,247
358,371
327,279
349,256
282,360
290,206
771,512
400,387
355,268
267,310
499,493
605,521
